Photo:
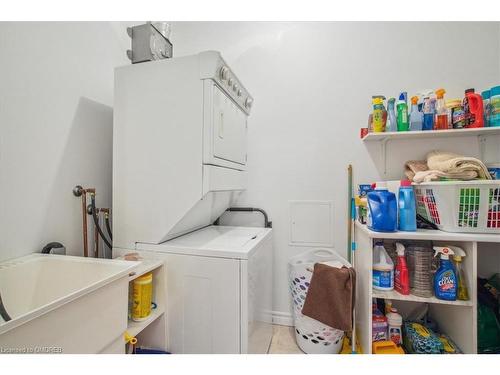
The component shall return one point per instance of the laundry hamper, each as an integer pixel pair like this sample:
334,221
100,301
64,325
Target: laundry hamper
461,206
312,337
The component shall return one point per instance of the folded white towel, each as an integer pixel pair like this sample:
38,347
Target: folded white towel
454,164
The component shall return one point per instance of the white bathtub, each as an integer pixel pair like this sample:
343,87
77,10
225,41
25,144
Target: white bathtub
63,304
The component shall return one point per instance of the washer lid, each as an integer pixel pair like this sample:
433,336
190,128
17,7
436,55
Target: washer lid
213,241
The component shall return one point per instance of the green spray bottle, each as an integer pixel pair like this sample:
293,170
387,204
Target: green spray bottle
402,113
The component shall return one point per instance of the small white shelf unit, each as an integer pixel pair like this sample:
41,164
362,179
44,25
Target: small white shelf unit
385,137
458,319
151,332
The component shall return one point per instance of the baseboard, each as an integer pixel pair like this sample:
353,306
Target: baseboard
282,318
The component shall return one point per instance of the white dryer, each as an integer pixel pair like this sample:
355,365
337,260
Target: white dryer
179,161
219,287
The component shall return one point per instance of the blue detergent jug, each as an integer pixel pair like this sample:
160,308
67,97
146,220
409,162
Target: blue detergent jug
382,209
407,218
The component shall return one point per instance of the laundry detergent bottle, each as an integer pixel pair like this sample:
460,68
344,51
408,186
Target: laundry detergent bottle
476,110
383,268
382,209
445,278
401,274
407,214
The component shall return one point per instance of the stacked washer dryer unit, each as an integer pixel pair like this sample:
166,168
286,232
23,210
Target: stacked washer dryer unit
179,160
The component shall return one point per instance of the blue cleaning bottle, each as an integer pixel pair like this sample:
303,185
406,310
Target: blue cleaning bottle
407,218
428,110
382,209
416,117
445,278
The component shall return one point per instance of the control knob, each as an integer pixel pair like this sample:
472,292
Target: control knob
248,102
223,73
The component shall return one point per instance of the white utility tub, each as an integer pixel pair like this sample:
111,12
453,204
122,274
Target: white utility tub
64,304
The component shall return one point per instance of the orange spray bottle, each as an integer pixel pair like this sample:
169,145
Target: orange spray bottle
441,122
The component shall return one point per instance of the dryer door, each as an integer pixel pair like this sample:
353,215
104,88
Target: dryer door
229,130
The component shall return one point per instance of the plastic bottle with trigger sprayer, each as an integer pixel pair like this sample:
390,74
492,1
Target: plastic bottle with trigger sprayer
441,122
445,278
416,117
462,291
401,274
427,109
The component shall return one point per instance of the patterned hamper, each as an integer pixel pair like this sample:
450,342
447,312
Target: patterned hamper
312,337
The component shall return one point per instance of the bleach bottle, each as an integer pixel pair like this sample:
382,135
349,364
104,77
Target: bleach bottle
445,279
383,268
382,209
407,215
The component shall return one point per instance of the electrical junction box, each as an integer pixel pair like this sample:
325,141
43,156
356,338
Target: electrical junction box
148,43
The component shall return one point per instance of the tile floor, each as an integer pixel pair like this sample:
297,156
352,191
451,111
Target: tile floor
283,341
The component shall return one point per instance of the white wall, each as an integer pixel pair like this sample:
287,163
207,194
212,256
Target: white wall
56,89
312,84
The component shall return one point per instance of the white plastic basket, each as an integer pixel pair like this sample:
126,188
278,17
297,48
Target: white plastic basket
312,337
461,206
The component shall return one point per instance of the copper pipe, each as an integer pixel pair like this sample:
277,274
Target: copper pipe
96,242
84,213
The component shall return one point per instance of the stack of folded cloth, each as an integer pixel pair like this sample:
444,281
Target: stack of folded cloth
442,165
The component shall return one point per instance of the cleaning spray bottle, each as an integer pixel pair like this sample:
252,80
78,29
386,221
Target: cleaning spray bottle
445,279
427,109
402,109
392,125
401,275
462,292
416,117
441,122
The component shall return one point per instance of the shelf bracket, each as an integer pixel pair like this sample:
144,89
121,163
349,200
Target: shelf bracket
481,139
383,146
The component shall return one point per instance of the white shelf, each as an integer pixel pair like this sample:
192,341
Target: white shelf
393,295
429,234
134,328
145,266
377,137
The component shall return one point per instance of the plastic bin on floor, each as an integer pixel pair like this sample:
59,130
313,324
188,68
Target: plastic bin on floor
312,337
